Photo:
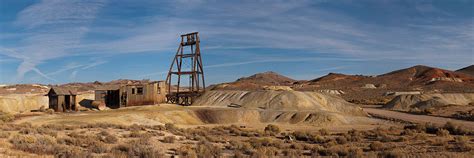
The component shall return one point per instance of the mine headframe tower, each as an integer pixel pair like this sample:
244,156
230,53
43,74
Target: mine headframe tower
186,66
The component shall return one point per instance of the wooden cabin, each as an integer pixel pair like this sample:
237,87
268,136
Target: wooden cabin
62,99
131,94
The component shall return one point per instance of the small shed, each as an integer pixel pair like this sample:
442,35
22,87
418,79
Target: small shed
116,96
62,99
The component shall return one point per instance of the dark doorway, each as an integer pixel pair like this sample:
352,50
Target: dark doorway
67,102
53,102
112,99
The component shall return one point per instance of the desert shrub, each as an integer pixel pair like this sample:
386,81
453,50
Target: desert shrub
416,127
4,134
431,128
156,133
296,146
137,148
106,137
6,117
169,139
292,153
302,136
158,127
319,139
339,150
341,140
272,129
265,152
355,152
465,115
391,154
64,151
323,132
420,136
58,127
28,130
376,146
257,143
110,139
442,133
170,126
136,127
241,146
462,144
139,134
98,147
330,142
186,151
206,149
38,144
387,138
47,131
456,129
438,142
354,135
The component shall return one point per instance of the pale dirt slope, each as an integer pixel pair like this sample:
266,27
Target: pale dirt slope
291,107
423,101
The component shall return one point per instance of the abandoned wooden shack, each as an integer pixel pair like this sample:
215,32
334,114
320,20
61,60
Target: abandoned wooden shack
117,96
62,99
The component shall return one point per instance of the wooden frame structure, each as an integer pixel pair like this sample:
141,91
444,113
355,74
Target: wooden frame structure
195,74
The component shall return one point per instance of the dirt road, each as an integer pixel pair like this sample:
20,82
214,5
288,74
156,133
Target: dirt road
440,121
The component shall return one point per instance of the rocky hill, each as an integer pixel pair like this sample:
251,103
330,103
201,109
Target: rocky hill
467,70
257,81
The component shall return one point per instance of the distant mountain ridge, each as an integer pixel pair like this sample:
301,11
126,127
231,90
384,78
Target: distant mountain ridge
467,70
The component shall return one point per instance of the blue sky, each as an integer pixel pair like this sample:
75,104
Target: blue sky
55,41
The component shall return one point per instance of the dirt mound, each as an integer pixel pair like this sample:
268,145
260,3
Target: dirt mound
423,101
277,106
467,70
257,82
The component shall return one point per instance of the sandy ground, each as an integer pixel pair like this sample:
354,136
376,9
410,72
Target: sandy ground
440,121
181,116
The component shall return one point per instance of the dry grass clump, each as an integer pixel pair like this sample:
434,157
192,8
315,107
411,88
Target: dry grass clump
186,151
438,142
292,153
265,152
442,133
354,135
462,144
377,146
206,149
6,117
303,136
103,126
4,134
58,127
136,148
457,129
106,137
38,144
139,134
272,129
464,115
169,139
391,154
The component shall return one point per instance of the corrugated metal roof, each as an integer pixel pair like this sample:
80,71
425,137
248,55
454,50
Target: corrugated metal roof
64,91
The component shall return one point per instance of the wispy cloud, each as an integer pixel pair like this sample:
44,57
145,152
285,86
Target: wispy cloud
419,32
55,27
